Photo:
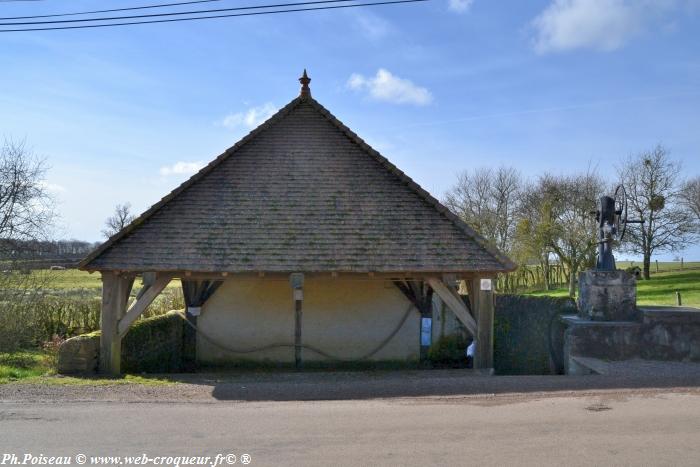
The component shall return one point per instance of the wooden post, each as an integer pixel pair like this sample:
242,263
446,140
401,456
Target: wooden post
297,334
679,302
296,281
483,308
115,296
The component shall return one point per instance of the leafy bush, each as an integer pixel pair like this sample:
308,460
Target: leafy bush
636,271
449,351
51,348
154,345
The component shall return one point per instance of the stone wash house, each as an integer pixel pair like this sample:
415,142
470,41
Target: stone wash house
301,243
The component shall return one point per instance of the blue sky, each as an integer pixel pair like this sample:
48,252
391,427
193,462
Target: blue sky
126,114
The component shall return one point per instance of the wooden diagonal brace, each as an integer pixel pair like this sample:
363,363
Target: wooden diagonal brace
454,302
145,298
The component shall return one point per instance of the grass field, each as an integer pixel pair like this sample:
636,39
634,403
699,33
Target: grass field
74,279
659,290
663,266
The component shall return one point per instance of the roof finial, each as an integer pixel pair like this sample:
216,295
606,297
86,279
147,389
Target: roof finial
305,80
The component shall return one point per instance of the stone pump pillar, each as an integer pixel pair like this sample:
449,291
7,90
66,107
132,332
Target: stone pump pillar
607,296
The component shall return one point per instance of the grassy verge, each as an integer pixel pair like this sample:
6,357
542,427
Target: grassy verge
34,366
23,364
659,290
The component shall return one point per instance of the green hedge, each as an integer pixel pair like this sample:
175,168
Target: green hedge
154,345
521,334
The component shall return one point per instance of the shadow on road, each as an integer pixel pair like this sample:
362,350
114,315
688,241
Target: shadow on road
290,386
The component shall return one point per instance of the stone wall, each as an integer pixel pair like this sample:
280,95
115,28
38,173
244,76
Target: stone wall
661,333
152,345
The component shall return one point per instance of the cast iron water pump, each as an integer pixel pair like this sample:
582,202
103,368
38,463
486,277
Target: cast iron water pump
612,225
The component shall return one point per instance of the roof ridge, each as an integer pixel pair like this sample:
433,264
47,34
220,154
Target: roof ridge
191,181
507,263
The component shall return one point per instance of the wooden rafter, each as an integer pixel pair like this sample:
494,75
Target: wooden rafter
145,297
454,302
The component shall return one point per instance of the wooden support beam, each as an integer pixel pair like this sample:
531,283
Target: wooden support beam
421,295
146,297
454,302
115,295
298,362
482,300
296,281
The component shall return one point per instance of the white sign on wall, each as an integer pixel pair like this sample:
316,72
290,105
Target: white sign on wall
485,284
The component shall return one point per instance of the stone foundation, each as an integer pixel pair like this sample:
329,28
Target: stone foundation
662,333
607,296
79,355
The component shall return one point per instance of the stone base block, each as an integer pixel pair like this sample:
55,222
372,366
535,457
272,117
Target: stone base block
79,355
607,296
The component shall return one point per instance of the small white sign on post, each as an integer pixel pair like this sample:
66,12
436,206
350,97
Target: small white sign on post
485,284
298,294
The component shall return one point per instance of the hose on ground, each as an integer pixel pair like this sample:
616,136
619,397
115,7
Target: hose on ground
320,352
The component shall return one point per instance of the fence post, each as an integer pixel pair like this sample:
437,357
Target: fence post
678,299
657,265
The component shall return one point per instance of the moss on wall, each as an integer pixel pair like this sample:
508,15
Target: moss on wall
522,330
154,345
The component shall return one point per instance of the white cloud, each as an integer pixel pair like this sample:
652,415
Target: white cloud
251,118
598,24
372,26
460,6
390,88
181,168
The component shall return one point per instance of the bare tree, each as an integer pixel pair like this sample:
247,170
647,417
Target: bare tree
571,229
690,197
121,218
26,218
26,208
488,201
652,182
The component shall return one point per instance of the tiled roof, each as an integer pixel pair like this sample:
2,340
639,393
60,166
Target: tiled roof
300,193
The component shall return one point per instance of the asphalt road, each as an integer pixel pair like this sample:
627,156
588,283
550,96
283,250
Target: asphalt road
620,427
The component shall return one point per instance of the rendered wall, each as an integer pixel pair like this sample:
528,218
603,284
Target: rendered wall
342,317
